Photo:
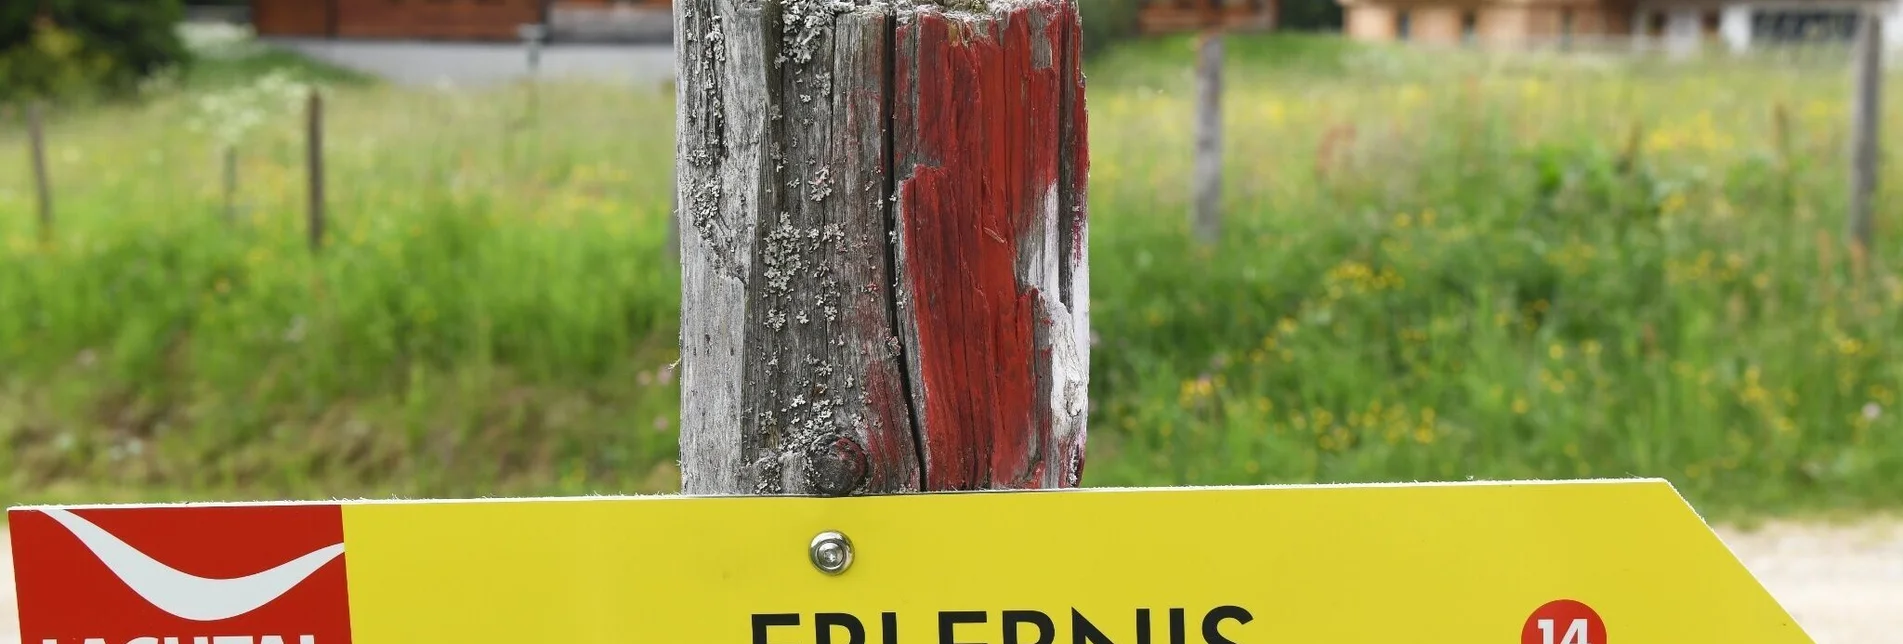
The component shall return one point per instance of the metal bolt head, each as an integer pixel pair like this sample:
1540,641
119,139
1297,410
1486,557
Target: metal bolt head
831,552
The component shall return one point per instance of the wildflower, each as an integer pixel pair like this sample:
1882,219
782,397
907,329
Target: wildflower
1672,204
1193,391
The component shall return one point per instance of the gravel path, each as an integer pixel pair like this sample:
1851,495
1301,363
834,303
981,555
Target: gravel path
478,64
1843,583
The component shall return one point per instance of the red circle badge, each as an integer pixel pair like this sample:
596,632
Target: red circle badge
1564,621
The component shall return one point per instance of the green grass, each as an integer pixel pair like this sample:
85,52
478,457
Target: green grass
1436,267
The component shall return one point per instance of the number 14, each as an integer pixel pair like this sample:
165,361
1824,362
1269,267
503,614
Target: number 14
1575,632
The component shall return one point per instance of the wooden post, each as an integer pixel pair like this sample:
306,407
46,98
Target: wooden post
1208,181
229,158
532,37
314,161
884,279
1867,112
42,185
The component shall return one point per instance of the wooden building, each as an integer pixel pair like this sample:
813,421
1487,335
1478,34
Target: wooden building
1166,16
590,19
1678,24
396,19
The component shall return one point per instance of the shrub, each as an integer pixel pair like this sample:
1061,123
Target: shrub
52,62
58,47
1107,21
1311,15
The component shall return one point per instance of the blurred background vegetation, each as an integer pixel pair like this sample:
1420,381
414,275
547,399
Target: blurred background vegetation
61,48
1438,266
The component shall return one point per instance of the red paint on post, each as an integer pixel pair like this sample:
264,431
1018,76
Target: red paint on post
981,126
886,444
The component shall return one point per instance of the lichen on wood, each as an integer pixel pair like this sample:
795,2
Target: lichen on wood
884,283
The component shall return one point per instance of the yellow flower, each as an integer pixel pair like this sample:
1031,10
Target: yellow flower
1196,390
1519,405
1673,203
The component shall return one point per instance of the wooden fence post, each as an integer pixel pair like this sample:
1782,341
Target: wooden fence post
1208,180
42,185
228,157
314,161
1867,112
884,279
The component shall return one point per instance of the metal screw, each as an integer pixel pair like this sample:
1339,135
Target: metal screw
831,552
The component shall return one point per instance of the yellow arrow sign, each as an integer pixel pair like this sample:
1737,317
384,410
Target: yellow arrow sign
1581,562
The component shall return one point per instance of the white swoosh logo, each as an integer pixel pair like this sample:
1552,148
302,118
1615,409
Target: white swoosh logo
190,596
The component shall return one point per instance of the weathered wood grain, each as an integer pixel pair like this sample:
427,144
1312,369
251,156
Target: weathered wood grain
884,284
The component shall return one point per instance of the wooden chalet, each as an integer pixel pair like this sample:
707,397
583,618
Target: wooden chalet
501,19
434,19
1167,16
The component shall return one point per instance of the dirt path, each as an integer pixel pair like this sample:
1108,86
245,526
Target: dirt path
1844,584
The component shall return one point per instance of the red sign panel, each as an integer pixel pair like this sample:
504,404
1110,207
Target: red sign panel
248,574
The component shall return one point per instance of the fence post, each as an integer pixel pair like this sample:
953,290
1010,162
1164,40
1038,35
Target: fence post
314,161
230,160
42,185
1867,112
884,284
1208,180
533,35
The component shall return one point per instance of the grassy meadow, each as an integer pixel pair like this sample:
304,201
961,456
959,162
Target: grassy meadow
1436,266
